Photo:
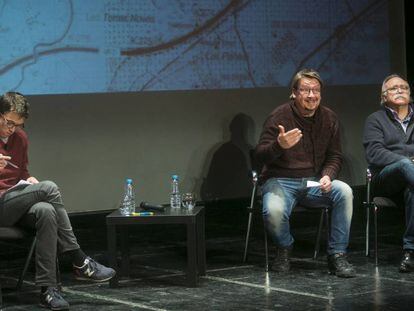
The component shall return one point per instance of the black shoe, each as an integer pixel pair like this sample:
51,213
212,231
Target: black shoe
282,260
339,266
407,262
52,300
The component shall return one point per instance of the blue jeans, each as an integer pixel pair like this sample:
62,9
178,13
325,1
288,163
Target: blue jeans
281,195
41,206
394,179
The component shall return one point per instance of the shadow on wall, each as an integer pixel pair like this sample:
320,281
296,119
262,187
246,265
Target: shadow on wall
228,173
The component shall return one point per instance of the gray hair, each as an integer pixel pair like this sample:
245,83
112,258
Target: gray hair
384,89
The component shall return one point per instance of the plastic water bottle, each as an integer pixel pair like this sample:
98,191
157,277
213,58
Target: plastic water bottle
128,202
175,198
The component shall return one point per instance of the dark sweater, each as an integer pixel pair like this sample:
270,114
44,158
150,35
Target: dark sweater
317,154
385,141
17,146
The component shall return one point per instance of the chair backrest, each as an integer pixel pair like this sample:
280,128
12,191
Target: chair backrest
380,201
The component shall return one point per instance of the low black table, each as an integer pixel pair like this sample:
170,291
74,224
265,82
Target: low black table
196,250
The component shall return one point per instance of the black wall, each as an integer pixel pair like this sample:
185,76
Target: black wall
409,35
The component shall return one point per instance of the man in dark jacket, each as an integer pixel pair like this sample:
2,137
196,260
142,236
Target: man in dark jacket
301,152
389,149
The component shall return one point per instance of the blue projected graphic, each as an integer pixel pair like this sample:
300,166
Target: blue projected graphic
78,46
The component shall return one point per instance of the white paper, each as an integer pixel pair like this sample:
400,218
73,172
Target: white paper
311,183
20,183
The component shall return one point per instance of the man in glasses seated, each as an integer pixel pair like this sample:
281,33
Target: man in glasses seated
389,150
25,201
301,152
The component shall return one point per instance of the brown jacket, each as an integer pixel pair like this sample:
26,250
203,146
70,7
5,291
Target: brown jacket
317,154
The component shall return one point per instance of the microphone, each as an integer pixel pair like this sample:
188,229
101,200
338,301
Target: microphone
153,207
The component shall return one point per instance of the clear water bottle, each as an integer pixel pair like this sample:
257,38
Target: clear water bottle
175,198
128,202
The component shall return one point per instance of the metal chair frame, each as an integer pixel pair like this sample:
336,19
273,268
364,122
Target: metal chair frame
250,208
373,204
14,233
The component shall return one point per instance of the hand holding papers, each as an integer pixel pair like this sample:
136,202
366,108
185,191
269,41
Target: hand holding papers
311,183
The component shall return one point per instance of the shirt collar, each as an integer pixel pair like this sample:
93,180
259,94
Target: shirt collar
395,114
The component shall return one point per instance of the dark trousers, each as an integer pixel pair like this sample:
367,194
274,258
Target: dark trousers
394,179
40,206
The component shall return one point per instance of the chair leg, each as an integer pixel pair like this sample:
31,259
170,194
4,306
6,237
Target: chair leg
376,233
246,244
327,224
318,235
26,264
266,249
58,279
368,212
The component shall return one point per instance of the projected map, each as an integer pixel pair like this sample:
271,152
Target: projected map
78,46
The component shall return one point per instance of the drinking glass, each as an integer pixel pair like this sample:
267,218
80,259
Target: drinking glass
188,200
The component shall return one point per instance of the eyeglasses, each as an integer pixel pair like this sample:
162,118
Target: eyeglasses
396,88
11,125
308,91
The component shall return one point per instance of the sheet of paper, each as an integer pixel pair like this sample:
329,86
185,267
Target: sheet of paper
20,183
311,183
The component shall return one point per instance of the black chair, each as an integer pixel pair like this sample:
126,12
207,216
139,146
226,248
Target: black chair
249,223
251,209
15,234
374,204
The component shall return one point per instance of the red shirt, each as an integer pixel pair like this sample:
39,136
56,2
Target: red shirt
16,147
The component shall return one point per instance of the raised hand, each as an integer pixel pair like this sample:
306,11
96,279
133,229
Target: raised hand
288,139
4,160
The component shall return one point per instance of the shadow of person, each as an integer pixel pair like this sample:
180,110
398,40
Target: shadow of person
227,175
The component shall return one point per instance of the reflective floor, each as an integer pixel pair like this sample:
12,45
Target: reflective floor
158,262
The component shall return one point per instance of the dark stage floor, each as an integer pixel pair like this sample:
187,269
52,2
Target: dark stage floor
158,278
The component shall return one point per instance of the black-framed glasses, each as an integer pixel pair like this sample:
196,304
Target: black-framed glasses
11,124
307,91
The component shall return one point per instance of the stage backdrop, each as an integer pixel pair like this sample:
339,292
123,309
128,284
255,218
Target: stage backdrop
143,89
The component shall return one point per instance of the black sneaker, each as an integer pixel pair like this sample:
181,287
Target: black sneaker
52,300
339,266
282,260
93,271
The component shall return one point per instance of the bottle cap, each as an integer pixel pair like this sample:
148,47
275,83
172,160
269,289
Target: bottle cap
175,177
129,181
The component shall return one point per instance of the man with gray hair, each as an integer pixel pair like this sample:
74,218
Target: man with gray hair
389,149
27,202
301,152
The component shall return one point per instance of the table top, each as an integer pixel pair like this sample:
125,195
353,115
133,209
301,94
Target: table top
170,215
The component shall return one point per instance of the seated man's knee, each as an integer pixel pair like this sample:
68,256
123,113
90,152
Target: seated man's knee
402,164
50,185
343,190
44,210
274,206
49,188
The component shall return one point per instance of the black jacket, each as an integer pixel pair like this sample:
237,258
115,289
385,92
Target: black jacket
385,141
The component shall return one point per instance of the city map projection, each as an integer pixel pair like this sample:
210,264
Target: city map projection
97,46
